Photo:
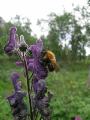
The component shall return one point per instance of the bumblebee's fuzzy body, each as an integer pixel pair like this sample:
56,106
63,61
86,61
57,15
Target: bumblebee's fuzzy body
49,59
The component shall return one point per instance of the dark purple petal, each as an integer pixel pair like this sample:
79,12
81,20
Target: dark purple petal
11,41
41,85
36,48
30,64
19,63
18,107
20,95
43,107
16,82
11,99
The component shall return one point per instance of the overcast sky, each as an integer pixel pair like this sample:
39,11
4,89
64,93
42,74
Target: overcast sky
35,9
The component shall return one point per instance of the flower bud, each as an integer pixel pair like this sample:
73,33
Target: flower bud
23,45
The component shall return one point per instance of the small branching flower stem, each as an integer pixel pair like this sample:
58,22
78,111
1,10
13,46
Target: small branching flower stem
30,78
28,86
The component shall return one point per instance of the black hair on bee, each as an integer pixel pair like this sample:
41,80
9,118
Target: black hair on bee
51,67
45,61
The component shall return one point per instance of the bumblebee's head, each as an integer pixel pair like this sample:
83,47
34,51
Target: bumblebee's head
49,59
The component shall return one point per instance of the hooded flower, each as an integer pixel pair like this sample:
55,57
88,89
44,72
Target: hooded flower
39,88
36,48
31,58
40,71
11,41
16,83
42,104
19,109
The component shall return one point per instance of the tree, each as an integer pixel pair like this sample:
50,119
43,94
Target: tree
65,36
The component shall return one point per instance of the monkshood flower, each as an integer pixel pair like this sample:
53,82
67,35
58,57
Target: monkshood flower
36,48
40,72
17,84
18,106
40,88
35,59
41,64
41,102
11,41
15,43
43,107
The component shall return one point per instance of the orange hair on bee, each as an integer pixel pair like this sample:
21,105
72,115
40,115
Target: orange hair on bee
51,56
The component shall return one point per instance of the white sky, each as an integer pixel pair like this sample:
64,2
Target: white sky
35,9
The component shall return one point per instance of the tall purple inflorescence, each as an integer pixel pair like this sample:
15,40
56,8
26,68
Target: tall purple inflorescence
40,73
33,59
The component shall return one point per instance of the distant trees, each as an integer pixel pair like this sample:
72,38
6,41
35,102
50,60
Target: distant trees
59,33
68,34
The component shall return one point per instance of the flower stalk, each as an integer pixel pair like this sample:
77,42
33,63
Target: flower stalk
28,86
39,62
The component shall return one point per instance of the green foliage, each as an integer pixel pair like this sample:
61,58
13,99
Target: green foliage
71,95
2,43
59,27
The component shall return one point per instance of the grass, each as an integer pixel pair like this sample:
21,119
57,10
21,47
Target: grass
71,96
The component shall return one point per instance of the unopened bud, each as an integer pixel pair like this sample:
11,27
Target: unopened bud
22,40
23,45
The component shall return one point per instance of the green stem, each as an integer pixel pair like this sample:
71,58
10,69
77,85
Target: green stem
28,86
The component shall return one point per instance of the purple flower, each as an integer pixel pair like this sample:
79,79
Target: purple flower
18,107
40,71
16,82
34,65
11,41
18,94
42,104
32,58
36,48
19,63
30,64
39,87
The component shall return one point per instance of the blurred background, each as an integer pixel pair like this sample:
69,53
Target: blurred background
64,27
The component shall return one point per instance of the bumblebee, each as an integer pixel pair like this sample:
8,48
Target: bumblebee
48,59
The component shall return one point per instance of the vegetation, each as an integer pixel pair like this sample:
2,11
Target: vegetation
69,87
